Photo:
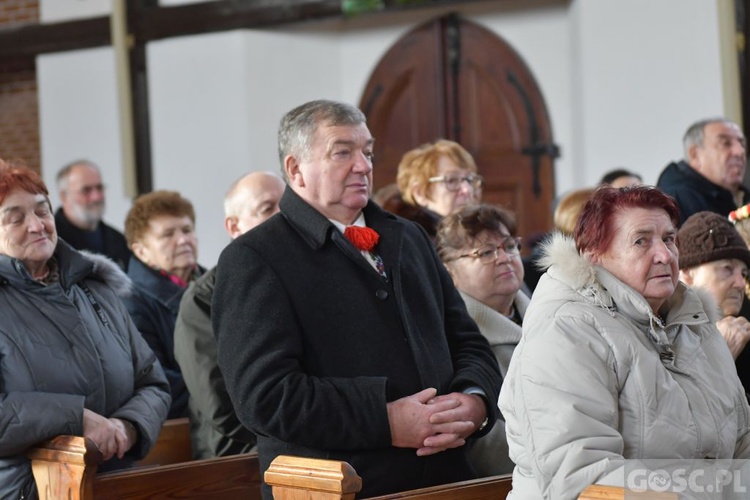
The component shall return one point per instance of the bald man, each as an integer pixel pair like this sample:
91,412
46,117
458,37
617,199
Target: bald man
214,427
79,219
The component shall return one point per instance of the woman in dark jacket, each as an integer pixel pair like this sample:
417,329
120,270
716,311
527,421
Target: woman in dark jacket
71,360
160,229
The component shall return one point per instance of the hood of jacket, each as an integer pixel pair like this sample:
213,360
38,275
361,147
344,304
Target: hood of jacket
602,288
74,266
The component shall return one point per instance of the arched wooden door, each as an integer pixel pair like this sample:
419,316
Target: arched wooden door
451,78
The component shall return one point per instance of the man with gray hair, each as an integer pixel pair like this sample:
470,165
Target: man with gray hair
340,332
711,174
214,427
79,219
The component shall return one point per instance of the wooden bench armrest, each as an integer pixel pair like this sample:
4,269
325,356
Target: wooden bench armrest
65,467
600,492
325,479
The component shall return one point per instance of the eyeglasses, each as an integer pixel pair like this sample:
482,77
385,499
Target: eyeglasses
489,253
453,182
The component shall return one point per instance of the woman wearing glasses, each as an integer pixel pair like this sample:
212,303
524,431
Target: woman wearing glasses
479,246
437,179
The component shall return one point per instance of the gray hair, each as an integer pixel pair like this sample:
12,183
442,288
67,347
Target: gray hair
61,180
298,126
696,133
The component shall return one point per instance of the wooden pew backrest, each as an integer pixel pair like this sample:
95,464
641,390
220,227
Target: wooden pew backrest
65,467
487,488
172,446
235,477
295,478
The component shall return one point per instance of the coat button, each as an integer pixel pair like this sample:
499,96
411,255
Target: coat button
381,294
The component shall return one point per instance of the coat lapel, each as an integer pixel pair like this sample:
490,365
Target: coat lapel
315,229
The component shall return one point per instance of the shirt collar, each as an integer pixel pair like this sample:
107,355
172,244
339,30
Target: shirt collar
360,222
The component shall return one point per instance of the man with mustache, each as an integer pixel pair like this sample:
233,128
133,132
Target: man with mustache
710,177
715,258
79,219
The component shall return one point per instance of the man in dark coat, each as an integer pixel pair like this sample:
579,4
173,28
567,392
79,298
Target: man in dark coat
335,351
710,177
79,219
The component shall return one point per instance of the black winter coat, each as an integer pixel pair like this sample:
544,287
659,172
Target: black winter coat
114,244
313,342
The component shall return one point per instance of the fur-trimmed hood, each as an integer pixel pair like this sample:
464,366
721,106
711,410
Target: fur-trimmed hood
560,251
108,271
74,266
560,256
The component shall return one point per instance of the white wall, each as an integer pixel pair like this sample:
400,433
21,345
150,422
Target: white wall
647,70
622,80
78,120
51,11
216,101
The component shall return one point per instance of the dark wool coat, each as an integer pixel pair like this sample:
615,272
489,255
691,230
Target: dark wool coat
313,342
153,305
694,193
57,357
115,245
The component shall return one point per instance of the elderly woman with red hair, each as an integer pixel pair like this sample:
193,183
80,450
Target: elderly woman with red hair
71,360
618,359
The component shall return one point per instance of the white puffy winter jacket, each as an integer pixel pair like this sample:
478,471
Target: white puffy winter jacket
598,378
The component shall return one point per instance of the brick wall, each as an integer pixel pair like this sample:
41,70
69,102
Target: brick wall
17,12
19,109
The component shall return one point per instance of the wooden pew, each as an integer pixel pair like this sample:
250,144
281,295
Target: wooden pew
236,477
487,488
295,478
173,445
65,467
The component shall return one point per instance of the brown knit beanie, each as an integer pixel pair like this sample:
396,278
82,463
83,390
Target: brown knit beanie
708,236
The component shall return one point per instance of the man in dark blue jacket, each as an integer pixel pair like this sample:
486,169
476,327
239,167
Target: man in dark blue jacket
710,177
359,350
79,219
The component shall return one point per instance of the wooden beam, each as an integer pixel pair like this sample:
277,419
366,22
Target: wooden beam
31,40
155,22
137,9
206,17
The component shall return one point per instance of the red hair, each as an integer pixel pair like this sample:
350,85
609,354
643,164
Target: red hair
13,177
595,230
